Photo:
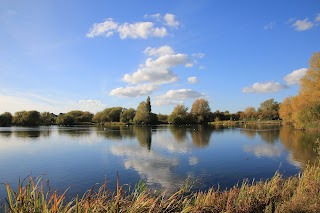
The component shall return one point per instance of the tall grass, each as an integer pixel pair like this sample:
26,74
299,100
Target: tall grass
299,193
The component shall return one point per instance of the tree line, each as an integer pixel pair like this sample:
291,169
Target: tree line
200,113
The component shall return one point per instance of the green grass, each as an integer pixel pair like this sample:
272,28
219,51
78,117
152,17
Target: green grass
299,193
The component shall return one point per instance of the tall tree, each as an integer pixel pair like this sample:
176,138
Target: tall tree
309,95
5,119
148,104
142,114
201,110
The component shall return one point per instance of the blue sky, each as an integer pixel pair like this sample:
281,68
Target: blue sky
62,55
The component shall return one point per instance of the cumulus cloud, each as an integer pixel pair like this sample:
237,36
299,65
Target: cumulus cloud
295,76
177,96
134,91
141,30
192,80
267,87
170,20
157,70
302,25
106,28
135,30
161,51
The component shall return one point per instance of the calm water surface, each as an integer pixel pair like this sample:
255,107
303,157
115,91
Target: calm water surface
163,156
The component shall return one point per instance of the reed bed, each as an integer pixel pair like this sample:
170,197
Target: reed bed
300,193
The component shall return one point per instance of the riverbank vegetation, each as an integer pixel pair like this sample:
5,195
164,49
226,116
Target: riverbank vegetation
299,193
200,113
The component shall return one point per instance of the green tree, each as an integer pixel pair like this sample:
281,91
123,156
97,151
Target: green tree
148,104
269,110
127,115
163,118
65,120
5,119
142,115
26,118
201,110
46,118
179,115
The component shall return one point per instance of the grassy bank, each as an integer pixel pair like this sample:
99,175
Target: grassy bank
300,193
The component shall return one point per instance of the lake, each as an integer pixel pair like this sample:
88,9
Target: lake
163,156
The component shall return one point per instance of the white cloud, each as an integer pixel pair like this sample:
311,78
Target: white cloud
192,80
158,70
161,51
170,20
302,25
134,91
295,76
264,87
156,16
268,26
135,30
106,28
141,30
177,96
317,18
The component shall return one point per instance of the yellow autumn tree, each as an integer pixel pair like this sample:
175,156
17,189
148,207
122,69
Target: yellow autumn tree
306,105
285,110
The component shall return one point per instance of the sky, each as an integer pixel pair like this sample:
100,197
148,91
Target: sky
58,55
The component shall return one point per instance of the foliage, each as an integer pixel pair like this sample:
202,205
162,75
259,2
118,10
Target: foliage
286,110
269,110
74,117
305,107
108,115
295,194
47,118
180,115
26,118
200,110
5,119
65,120
144,115
162,118
127,115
